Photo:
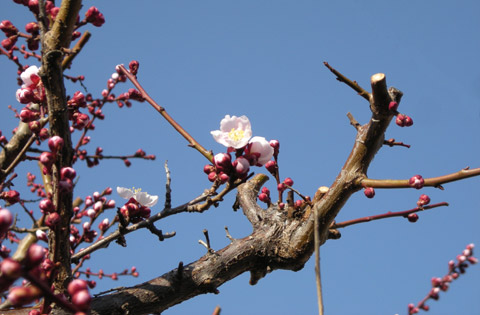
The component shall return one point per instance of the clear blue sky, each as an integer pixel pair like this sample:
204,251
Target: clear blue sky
264,59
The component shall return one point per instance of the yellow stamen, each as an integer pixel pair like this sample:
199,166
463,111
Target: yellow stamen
236,134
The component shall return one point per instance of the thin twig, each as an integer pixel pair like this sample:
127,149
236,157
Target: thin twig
318,277
386,215
192,142
353,84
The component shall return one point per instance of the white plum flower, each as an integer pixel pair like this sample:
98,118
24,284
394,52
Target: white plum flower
30,76
234,132
141,197
261,148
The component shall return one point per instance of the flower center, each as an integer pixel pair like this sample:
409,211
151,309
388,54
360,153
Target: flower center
236,134
136,191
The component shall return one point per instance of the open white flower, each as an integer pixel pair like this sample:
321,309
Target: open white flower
260,147
234,132
141,197
30,76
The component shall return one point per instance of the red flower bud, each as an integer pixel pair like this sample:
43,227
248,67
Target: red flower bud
11,269
82,300
52,220
55,144
412,217
35,255
393,106
288,181
423,200
77,285
11,196
416,181
264,197
369,192
408,121
6,219
271,166
133,66
68,173
46,205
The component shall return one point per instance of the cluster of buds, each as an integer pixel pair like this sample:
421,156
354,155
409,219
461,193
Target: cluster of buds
236,134
34,187
138,205
11,270
264,196
95,17
32,90
114,276
11,196
402,120
455,269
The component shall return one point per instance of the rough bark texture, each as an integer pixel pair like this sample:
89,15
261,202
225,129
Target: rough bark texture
53,41
281,239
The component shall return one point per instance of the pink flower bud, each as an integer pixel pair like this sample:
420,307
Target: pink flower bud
9,42
32,28
27,115
281,187
265,190
412,217
298,203
110,204
133,66
41,235
223,177
55,144
25,95
103,226
91,213
95,17
393,106
127,162
212,176
436,282
6,219
423,200
76,286
52,220
264,197
416,181
35,255
288,181
400,121
82,299
241,165
222,161
21,295
8,28
271,166
11,196
11,269
43,134
281,205
68,173
276,146
47,159
207,169
46,205
35,126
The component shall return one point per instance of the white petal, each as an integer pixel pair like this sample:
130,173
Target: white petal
145,199
125,193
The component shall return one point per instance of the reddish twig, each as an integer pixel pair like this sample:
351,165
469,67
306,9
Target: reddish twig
455,269
192,142
386,215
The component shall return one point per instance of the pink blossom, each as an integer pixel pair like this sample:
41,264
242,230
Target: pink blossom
142,198
30,76
234,132
261,148
241,165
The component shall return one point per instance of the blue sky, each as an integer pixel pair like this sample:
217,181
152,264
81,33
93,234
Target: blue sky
264,59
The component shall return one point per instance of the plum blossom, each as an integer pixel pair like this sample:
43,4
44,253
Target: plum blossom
234,131
261,148
141,197
32,88
30,76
